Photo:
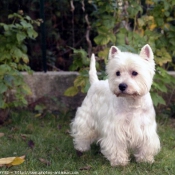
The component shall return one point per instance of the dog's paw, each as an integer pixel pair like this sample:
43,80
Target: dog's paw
149,159
81,147
120,162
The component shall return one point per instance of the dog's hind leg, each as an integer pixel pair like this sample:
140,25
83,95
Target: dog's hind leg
83,130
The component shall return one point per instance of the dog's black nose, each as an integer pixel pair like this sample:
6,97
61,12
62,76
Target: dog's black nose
122,86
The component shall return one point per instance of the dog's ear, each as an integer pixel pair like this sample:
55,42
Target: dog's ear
147,53
113,51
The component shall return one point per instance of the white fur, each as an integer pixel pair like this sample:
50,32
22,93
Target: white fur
122,121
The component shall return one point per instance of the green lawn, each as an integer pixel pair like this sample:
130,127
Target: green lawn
46,143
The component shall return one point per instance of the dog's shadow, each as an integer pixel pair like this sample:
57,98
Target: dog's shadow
94,151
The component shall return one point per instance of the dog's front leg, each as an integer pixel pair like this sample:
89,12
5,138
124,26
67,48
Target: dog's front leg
150,145
114,151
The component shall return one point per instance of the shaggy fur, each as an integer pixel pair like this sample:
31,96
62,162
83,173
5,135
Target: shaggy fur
118,112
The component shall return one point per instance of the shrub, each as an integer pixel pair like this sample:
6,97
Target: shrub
130,25
14,59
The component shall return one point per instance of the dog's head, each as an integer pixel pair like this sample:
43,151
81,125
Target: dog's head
130,74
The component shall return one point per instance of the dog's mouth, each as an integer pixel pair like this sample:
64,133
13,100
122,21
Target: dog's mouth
126,94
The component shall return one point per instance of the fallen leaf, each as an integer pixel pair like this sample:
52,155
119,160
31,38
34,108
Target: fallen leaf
7,160
86,168
14,129
31,144
38,115
23,157
1,134
11,136
46,162
24,136
11,161
17,161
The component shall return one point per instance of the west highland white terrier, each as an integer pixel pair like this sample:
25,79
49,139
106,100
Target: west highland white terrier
118,112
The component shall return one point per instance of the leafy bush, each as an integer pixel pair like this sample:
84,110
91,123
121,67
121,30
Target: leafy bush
14,59
130,25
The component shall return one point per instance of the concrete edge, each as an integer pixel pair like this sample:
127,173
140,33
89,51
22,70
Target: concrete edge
51,85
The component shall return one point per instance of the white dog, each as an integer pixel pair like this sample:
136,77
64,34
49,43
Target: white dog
118,112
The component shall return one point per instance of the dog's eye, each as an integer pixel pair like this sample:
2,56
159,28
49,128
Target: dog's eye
134,73
118,73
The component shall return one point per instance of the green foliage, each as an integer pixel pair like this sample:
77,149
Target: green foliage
14,58
132,24
80,59
81,82
81,62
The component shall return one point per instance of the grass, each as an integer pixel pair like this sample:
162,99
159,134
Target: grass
46,143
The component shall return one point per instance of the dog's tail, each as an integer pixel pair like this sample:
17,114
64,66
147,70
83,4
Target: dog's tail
93,72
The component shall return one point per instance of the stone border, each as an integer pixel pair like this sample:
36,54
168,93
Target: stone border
48,89
172,73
